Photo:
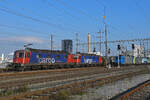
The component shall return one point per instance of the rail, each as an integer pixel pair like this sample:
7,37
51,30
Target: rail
130,91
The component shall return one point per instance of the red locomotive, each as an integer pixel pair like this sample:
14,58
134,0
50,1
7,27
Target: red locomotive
36,58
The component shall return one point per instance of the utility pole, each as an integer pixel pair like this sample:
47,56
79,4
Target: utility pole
106,48
100,39
94,49
147,49
77,43
51,40
89,43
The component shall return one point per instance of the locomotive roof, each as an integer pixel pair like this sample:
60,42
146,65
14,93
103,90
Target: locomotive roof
86,54
43,51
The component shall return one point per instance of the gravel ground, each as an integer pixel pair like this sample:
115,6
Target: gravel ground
110,90
143,94
50,84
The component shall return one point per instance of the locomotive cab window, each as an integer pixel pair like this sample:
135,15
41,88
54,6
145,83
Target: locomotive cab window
15,55
20,55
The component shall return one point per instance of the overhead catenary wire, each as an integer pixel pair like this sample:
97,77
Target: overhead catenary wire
39,15
29,30
24,9
15,34
29,17
3,9
104,15
101,3
60,10
142,10
23,28
77,10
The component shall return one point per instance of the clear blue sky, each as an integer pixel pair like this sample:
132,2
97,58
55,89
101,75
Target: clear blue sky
32,21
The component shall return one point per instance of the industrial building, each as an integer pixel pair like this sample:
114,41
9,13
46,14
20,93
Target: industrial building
138,51
2,58
67,45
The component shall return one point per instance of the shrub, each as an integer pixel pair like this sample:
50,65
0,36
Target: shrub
63,95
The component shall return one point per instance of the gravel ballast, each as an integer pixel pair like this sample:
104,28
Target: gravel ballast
110,90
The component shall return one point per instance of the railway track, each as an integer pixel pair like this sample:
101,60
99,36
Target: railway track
79,84
63,79
139,92
41,72
14,73
18,80
19,75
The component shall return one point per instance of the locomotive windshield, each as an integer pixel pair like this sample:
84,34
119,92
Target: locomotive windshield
21,55
18,54
15,55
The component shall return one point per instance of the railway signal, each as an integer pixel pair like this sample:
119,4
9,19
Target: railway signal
109,51
118,47
133,46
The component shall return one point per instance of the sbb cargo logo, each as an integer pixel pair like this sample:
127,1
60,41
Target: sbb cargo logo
46,60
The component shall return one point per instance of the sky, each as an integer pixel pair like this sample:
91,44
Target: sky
33,21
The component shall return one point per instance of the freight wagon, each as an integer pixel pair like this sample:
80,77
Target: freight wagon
126,60
141,60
